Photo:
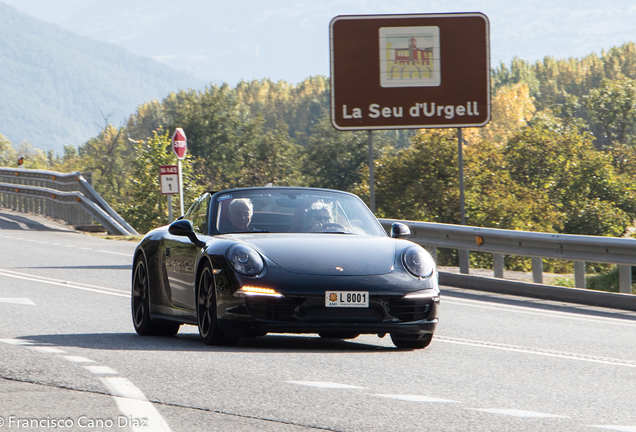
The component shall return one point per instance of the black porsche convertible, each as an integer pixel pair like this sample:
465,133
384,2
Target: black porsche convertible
247,262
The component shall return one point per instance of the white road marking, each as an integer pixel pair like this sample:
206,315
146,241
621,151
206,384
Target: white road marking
90,288
532,311
538,351
16,342
325,384
132,403
66,245
23,301
129,255
141,415
101,370
48,350
414,398
616,428
520,413
78,359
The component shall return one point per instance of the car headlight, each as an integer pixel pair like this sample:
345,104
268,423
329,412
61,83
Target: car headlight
245,260
418,262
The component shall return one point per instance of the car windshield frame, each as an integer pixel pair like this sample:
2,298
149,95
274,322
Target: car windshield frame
292,210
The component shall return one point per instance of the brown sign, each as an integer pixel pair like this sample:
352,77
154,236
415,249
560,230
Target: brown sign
410,71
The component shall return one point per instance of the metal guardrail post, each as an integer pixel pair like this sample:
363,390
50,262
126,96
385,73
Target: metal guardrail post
537,270
579,274
625,279
464,261
498,265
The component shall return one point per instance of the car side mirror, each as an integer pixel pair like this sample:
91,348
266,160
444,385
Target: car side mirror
184,228
399,230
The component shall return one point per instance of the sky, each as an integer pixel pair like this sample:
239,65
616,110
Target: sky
229,41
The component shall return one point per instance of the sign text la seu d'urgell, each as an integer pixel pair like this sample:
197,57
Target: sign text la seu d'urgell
425,109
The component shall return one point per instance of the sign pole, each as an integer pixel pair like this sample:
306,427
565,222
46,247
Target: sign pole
460,153
170,217
180,148
464,258
371,181
180,188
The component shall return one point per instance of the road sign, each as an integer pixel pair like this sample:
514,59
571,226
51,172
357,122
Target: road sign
179,143
410,71
169,176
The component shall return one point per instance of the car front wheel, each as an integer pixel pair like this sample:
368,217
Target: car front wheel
206,310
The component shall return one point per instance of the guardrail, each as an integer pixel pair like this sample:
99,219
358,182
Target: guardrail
69,197
499,242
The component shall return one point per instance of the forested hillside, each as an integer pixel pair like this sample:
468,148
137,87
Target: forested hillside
558,156
55,86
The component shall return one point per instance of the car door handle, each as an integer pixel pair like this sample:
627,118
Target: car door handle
167,252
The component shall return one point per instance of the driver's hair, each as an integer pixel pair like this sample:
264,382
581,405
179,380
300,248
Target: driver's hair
316,207
246,201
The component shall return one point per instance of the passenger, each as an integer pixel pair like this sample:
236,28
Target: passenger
240,215
317,216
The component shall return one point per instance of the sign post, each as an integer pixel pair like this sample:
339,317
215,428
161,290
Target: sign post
180,148
410,72
169,180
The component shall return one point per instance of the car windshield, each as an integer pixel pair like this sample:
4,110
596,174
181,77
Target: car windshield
294,211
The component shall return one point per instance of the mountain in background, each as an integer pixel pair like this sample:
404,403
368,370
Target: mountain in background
230,41
57,88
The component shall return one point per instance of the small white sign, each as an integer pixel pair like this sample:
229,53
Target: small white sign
169,176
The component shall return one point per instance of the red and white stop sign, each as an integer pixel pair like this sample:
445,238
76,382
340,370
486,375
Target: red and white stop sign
179,143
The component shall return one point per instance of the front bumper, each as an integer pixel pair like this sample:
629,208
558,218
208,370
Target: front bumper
308,314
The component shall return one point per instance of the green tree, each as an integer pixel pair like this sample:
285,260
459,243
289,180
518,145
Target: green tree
143,205
70,161
7,152
559,161
219,129
333,158
613,106
107,156
420,182
34,158
299,106
272,158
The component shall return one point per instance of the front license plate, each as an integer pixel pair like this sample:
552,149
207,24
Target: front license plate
347,299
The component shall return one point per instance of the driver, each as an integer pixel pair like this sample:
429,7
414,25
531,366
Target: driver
240,216
318,215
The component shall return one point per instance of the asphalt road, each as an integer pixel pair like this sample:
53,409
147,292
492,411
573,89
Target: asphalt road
70,360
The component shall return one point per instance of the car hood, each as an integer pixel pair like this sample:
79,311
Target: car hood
327,254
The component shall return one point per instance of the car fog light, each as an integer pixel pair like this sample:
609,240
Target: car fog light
252,290
433,294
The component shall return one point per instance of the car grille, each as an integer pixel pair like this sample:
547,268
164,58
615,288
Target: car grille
271,308
325,314
307,310
410,310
